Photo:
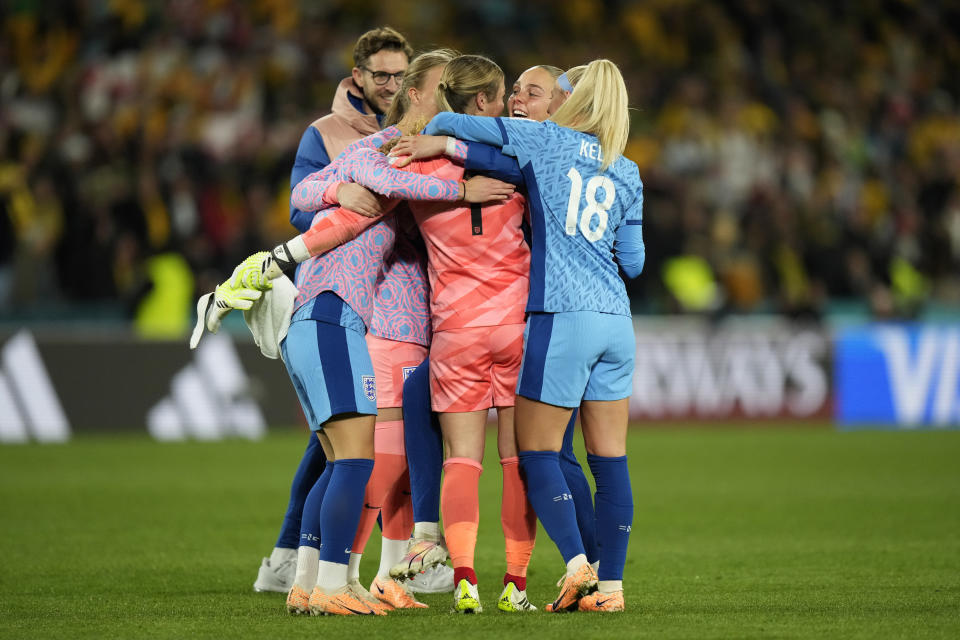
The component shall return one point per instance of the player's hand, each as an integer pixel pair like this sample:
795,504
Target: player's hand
416,147
249,274
359,199
483,189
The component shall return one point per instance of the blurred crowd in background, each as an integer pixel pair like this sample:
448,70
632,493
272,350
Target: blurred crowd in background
798,158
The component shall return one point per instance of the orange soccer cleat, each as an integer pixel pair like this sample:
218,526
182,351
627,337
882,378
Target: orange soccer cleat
298,601
598,601
574,587
380,608
394,595
342,602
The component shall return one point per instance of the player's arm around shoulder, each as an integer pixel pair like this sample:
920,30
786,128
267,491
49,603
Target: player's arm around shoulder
470,128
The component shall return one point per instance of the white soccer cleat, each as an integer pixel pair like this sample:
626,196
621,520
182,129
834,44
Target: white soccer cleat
436,579
278,579
466,599
513,600
420,556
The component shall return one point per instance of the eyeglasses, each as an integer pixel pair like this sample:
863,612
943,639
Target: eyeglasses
381,78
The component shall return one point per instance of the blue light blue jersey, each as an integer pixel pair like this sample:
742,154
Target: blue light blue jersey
580,218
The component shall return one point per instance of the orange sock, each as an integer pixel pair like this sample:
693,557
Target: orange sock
388,468
518,519
460,508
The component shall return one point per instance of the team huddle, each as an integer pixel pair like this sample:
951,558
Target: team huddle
449,261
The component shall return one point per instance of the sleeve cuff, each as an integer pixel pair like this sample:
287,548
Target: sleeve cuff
330,195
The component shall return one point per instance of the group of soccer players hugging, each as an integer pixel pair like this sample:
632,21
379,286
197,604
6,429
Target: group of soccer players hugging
451,261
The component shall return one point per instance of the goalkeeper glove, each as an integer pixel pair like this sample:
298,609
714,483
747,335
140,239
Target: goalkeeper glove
213,307
282,259
258,270
250,274
229,296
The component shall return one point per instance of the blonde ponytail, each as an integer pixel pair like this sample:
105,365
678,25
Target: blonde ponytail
414,78
598,106
463,78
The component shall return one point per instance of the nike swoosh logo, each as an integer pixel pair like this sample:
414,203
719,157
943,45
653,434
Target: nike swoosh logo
414,559
380,589
362,613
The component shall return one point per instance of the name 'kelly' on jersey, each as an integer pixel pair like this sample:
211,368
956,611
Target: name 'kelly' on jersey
575,211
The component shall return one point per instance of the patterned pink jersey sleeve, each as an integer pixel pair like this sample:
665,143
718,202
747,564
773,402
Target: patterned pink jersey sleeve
373,170
459,151
373,141
310,191
401,308
334,229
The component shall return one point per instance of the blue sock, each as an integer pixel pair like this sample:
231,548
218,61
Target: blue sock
551,499
580,489
614,513
310,523
340,513
424,444
311,466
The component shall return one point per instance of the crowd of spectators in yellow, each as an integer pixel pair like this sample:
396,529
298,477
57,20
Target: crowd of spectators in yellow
795,155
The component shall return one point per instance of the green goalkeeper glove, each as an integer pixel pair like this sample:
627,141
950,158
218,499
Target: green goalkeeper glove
250,274
213,307
227,295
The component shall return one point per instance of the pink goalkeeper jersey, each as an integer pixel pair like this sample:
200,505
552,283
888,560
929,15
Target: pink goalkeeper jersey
479,262
350,270
353,270
401,305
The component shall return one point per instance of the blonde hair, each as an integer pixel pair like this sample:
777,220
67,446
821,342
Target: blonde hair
465,77
575,73
598,105
413,78
552,70
410,129
566,79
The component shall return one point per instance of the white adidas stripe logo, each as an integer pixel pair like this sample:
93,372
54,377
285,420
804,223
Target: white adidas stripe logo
209,399
29,405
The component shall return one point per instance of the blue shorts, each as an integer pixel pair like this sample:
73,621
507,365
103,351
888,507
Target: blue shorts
577,355
331,370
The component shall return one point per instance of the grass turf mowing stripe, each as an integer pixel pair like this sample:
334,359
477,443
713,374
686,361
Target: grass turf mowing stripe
754,533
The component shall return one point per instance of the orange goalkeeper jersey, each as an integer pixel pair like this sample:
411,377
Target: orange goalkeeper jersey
479,261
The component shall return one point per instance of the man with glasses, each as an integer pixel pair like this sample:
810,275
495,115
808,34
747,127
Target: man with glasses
381,57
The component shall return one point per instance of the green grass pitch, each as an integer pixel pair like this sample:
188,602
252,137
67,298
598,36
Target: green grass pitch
781,532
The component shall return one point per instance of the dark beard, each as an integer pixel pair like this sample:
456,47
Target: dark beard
371,103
